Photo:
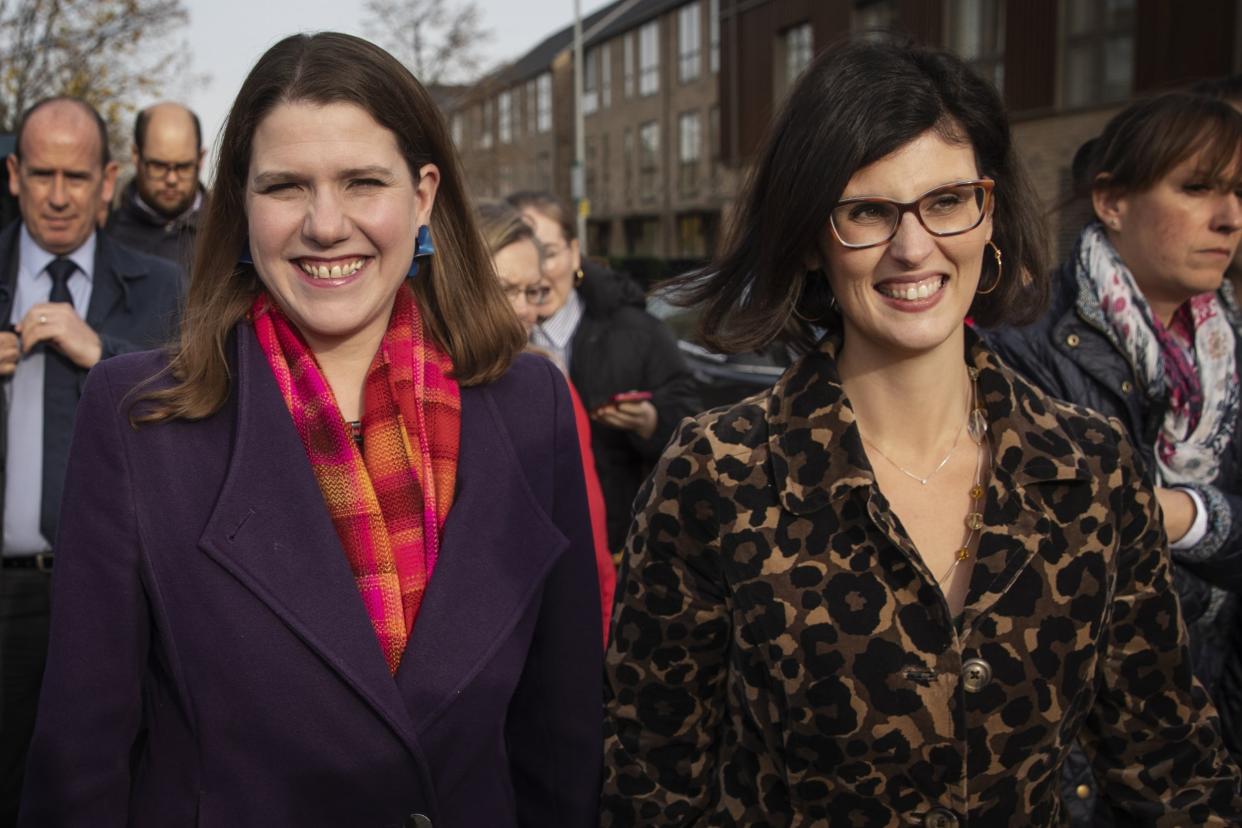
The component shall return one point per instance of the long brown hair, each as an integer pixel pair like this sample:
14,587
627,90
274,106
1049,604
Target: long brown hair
459,296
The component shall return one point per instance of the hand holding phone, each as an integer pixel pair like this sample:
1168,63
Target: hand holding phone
641,419
628,396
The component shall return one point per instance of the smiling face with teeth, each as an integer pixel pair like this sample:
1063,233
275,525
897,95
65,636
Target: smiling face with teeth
332,208
911,294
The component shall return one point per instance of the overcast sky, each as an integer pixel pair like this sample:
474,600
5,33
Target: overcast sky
225,37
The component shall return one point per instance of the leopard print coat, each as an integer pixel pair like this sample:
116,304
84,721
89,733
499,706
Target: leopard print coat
781,656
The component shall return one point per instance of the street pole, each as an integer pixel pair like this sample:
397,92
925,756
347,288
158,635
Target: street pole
577,178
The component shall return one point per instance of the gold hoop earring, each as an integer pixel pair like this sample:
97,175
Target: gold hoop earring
999,269
578,277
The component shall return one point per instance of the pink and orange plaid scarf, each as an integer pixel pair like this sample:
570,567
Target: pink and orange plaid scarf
388,501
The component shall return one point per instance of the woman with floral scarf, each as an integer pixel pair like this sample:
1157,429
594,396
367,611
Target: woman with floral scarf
1138,332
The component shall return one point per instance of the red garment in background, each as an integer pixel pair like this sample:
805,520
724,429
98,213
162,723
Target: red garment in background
595,502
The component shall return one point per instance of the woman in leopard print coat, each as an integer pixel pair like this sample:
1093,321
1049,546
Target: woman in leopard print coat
825,619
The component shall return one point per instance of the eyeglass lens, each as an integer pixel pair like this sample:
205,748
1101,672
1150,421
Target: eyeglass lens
944,211
161,169
534,296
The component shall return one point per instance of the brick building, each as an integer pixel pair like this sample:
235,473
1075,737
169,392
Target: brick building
1064,67
653,179
678,94
651,104
513,129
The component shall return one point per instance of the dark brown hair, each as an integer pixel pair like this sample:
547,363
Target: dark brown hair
857,103
1146,140
459,296
549,205
1227,88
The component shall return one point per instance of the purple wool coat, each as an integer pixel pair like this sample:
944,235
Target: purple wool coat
212,664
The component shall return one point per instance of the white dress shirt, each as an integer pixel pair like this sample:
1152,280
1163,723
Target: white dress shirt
23,464
556,333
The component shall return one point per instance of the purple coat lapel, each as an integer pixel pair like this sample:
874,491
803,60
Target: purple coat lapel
496,552
498,547
271,530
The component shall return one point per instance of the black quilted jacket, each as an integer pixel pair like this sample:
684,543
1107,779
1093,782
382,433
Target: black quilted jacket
1071,353
617,347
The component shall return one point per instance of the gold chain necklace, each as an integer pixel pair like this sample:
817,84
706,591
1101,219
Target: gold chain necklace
978,432
923,480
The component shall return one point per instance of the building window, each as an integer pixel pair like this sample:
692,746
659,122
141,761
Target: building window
627,162
628,67
713,142
642,236
590,82
689,151
977,34
504,111
692,243
648,158
543,171
605,76
532,108
689,43
543,120
1097,52
649,58
713,34
605,168
798,49
875,19
592,170
599,233
504,180
484,140
456,128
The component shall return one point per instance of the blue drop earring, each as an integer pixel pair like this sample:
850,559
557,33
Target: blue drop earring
243,258
423,249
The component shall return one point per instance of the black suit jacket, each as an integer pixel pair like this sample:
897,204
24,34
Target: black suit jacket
134,305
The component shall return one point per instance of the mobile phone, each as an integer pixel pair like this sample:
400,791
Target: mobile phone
629,396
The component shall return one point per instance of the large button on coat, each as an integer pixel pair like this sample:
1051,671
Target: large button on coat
976,674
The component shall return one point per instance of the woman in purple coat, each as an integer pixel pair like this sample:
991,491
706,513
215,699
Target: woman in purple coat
307,576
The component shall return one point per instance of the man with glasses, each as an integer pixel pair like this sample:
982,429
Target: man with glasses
159,210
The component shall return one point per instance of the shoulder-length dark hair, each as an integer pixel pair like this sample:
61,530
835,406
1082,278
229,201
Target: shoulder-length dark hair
1142,144
858,102
461,301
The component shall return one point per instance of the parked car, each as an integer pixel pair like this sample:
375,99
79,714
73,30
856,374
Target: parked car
722,378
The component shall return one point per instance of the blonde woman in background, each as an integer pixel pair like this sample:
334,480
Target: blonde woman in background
519,265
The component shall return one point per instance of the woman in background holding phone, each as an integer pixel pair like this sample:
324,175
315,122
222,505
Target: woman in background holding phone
517,257
596,325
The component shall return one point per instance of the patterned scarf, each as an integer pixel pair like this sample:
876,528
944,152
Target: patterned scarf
1193,357
388,501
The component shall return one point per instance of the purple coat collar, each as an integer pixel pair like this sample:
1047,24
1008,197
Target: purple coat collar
493,559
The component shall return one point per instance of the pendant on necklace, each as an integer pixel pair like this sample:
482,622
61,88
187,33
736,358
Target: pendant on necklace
977,425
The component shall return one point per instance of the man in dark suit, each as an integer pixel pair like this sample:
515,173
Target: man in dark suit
69,297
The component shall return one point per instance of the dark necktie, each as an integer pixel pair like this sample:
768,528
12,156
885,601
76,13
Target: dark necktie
60,400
